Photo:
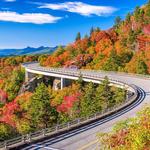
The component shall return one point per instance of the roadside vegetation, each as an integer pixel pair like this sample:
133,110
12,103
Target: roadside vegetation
133,133
45,107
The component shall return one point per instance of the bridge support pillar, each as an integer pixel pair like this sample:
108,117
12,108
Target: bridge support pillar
59,83
29,76
26,76
62,83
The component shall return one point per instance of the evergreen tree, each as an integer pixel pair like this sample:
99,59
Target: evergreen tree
97,29
118,20
78,37
91,31
106,93
100,101
128,17
80,82
42,114
86,36
119,95
87,101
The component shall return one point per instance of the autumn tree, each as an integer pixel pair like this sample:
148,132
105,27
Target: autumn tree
132,133
138,14
112,63
13,83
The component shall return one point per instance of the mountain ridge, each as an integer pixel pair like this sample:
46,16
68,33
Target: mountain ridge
27,51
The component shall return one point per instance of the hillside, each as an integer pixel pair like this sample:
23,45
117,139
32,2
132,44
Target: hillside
132,133
124,47
27,51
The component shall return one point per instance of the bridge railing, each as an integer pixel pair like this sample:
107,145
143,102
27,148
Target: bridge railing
35,65
28,138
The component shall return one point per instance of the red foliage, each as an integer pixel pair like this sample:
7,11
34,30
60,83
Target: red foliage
146,29
119,138
67,103
80,60
81,44
97,36
8,111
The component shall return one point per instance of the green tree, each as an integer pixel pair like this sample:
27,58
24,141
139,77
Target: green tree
119,95
138,14
101,103
78,37
6,132
112,63
60,50
91,31
87,101
42,58
147,13
118,21
11,61
141,67
42,114
97,29
106,92
128,17
80,82
13,83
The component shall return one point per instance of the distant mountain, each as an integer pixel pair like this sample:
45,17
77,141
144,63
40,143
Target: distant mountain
27,51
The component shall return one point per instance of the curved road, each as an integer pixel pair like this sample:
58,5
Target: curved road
84,138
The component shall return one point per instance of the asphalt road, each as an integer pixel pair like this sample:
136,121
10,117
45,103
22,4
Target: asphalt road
85,138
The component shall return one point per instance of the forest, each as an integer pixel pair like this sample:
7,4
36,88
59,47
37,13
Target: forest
124,48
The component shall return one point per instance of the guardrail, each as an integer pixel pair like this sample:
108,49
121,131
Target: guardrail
28,138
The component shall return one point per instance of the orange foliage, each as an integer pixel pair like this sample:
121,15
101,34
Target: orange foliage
97,36
104,46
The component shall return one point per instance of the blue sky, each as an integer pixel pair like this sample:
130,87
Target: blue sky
56,22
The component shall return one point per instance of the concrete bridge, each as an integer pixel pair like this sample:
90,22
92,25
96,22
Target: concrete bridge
84,138
64,75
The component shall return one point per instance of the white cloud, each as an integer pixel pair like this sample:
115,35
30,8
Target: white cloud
81,8
35,18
